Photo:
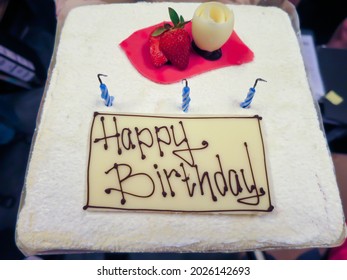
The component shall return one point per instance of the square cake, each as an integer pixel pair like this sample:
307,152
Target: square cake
217,178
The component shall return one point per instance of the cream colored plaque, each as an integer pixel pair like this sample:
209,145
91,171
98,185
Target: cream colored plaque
181,164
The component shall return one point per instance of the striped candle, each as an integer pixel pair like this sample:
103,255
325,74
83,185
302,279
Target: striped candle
247,102
104,92
185,96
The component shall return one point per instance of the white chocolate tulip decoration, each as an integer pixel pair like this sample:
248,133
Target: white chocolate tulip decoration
212,25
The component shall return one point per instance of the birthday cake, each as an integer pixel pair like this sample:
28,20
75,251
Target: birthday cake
237,165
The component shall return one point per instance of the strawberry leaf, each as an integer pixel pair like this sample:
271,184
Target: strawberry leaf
167,26
174,16
160,30
181,19
182,24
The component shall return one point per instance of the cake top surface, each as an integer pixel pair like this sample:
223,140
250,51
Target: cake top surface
307,205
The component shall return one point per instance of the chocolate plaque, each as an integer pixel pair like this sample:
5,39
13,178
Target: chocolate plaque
177,163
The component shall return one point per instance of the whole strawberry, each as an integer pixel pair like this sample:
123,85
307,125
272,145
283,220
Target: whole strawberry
175,45
174,41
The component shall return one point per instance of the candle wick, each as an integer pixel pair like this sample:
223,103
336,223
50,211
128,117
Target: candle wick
256,81
99,75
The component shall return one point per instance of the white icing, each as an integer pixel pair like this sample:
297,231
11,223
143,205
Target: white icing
307,210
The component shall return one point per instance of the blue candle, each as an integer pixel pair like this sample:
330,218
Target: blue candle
247,102
104,92
185,96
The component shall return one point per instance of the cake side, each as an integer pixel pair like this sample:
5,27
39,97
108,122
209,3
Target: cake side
307,211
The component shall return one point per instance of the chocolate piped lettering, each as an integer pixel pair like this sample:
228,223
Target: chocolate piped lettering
127,142
177,164
121,180
160,140
143,143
